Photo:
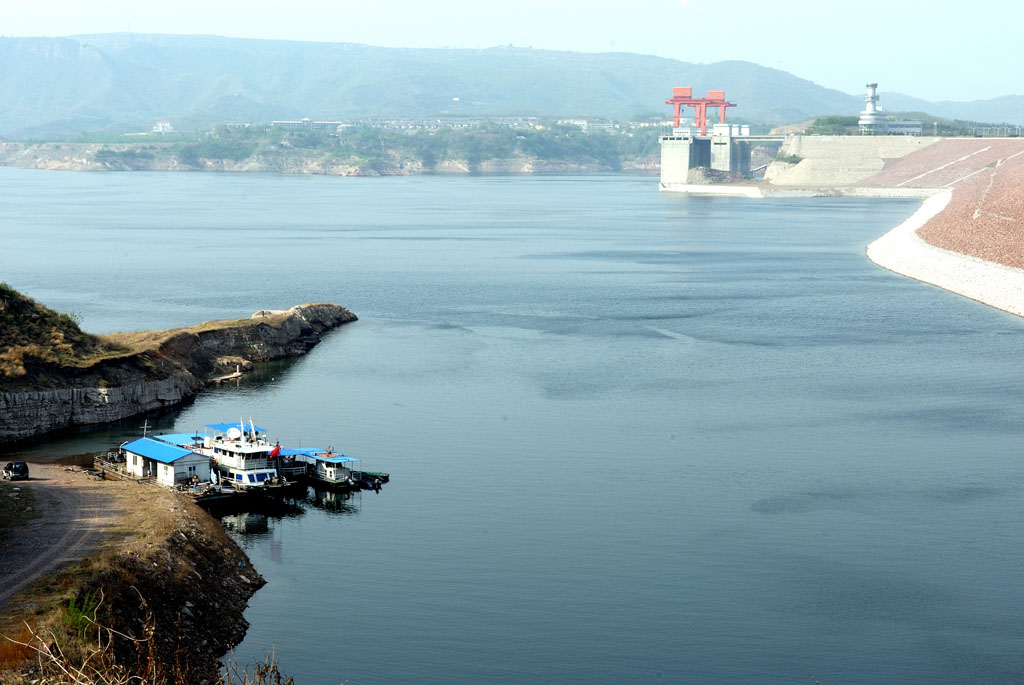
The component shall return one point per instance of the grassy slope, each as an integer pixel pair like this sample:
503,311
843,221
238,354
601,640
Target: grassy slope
29,331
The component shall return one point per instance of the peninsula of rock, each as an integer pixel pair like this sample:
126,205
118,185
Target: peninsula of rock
73,379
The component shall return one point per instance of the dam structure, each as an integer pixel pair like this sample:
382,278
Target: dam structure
692,155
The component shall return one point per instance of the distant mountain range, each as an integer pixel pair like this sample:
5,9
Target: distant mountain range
123,82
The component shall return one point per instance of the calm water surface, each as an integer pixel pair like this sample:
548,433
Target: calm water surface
632,437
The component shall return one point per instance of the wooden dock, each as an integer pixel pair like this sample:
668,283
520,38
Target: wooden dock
230,377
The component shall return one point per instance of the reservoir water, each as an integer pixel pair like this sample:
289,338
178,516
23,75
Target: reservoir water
633,437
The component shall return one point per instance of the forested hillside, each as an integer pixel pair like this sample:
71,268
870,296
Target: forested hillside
116,83
123,82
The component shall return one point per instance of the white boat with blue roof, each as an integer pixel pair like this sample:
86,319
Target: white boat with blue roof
243,456
325,466
329,468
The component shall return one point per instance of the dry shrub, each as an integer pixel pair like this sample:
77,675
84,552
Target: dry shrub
266,673
137,341
12,361
140,341
55,657
14,652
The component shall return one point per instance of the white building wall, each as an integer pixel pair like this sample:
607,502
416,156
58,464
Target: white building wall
675,160
200,467
165,474
133,463
169,474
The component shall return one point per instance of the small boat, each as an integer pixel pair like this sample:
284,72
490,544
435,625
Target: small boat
370,480
325,467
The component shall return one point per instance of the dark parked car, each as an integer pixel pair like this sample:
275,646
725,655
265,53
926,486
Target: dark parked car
16,470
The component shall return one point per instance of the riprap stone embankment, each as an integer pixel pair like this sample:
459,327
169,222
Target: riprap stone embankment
968,237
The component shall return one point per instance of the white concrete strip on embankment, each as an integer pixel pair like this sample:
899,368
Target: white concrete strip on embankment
702,189
769,191
903,251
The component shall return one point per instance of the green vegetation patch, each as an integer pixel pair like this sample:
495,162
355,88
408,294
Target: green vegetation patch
932,125
127,157
215,148
834,126
80,614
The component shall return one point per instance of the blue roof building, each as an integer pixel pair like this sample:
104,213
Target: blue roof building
168,464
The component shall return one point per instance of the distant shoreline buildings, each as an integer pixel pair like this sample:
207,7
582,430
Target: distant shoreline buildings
872,121
332,127
307,124
435,123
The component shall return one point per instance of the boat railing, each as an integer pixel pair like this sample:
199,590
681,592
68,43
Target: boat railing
114,469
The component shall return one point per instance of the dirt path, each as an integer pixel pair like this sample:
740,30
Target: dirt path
76,510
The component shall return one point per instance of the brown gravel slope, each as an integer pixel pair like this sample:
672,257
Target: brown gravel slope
985,217
76,510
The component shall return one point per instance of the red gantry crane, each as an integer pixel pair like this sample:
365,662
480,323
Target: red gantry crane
715,98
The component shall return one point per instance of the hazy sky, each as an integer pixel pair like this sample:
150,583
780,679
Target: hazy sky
951,50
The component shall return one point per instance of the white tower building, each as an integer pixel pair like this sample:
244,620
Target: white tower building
872,121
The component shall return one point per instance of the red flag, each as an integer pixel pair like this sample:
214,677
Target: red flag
276,451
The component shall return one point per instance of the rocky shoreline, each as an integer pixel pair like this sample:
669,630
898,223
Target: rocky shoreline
160,157
192,588
164,376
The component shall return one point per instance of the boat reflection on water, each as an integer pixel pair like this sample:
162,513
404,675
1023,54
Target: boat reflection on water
270,507
246,523
254,517
338,502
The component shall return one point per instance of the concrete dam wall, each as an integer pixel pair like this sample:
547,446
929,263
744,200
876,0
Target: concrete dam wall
689,164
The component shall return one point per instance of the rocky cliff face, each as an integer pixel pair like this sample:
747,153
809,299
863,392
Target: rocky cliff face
117,388
31,413
188,592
